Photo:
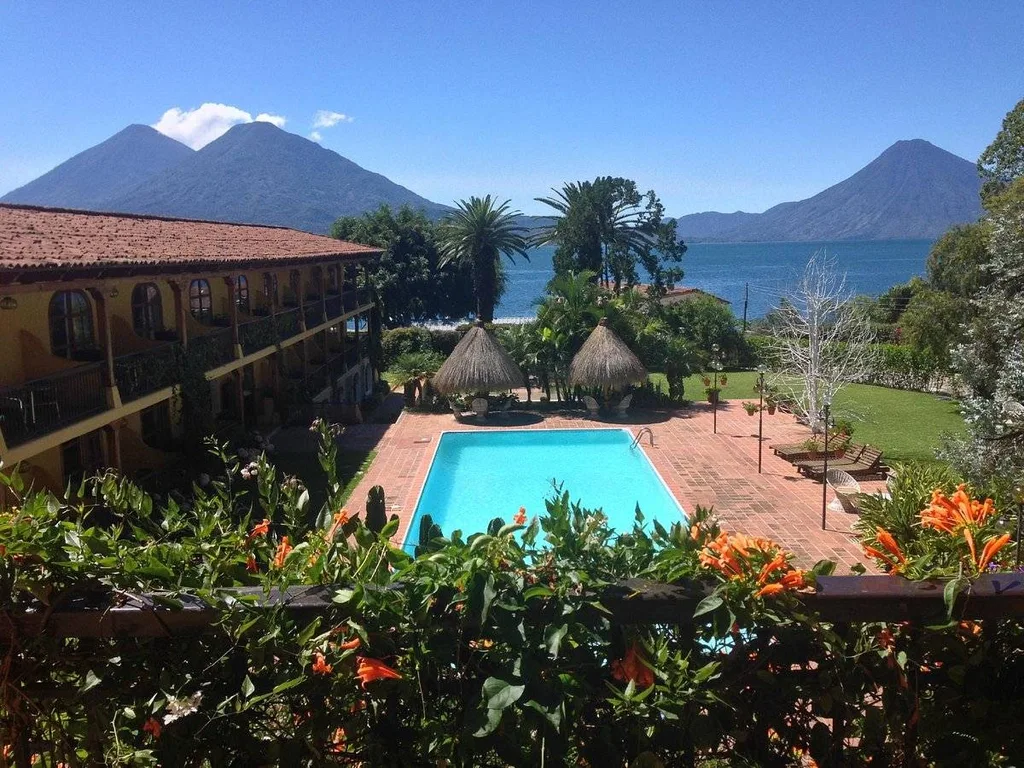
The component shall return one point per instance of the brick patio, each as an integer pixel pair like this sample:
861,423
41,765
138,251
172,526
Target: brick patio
699,467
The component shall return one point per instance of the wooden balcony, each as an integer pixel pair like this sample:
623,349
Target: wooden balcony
147,371
45,405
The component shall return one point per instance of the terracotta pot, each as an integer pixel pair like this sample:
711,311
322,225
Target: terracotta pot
771,410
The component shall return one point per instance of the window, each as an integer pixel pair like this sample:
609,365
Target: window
270,288
295,281
156,425
71,332
200,301
242,294
147,311
332,279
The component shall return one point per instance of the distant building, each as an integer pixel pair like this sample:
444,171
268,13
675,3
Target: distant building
96,309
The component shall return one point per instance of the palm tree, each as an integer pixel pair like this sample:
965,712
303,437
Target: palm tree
479,232
599,226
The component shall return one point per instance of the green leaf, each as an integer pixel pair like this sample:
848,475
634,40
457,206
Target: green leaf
537,590
500,694
553,637
248,689
493,718
489,593
91,681
287,684
949,596
708,604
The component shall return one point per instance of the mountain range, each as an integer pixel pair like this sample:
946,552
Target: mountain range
258,173
913,190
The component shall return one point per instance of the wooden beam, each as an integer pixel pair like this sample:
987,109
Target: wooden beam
634,601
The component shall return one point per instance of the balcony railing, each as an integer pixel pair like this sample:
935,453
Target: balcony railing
318,380
333,306
216,348
314,314
48,404
287,323
147,371
257,334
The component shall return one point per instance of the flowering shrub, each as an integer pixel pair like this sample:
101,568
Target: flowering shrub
488,650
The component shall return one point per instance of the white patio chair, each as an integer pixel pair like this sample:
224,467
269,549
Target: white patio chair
479,406
846,489
461,415
623,406
592,406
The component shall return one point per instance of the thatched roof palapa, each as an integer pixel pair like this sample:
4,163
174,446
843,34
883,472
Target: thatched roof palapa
477,364
604,360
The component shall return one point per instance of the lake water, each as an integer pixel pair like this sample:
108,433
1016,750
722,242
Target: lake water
724,269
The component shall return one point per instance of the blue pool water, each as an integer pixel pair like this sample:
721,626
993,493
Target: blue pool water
477,476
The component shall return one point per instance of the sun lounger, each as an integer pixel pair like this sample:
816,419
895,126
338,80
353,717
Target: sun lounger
869,464
800,452
461,415
592,406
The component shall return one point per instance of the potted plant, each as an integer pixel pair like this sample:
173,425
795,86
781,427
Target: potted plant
770,404
712,394
751,408
707,381
723,379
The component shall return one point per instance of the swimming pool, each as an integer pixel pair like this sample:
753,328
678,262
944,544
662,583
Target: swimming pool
477,476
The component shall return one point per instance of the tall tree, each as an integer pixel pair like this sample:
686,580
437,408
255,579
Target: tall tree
411,284
1002,162
477,234
607,226
822,339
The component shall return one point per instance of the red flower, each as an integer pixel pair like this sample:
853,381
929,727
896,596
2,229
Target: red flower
633,667
769,590
340,518
351,645
260,529
282,552
153,727
320,665
250,564
520,517
368,670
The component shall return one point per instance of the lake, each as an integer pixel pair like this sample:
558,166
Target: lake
725,269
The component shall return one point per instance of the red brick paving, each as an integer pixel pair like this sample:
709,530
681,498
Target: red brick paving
699,467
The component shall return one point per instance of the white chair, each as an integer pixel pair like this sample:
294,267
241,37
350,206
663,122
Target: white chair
479,406
623,406
846,489
592,406
461,415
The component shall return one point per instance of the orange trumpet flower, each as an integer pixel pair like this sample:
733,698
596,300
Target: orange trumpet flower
633,668
282,552
320,665
368,670
886,540
260,529
992,546
769,590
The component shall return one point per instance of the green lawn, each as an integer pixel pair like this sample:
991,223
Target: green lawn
906,425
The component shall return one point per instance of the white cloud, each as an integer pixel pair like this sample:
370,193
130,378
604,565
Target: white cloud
198,127
266,117
315,136
327,119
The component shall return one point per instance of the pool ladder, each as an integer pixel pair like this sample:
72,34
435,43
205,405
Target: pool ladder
644,431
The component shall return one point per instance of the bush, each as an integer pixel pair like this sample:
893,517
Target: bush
488,650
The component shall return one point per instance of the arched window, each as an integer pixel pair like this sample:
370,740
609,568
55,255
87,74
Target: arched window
147,310
242,294
71,324
200,301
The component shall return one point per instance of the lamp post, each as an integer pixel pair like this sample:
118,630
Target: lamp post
716,365
760,414
827,406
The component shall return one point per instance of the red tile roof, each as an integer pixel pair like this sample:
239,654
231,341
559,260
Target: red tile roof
37,239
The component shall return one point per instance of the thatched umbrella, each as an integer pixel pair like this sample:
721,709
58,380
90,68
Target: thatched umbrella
604,360
477,364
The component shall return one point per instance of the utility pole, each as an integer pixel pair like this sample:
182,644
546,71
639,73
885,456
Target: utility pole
746,298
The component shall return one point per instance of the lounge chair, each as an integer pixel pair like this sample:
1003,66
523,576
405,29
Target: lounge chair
800,452
461,415
623,406
592,407
479,406
846,489
868,464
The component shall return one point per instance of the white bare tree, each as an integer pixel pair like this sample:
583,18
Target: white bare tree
822,339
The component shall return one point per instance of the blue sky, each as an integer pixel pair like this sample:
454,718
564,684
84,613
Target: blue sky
715,105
